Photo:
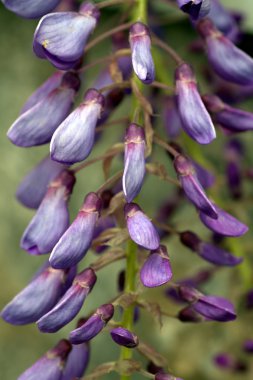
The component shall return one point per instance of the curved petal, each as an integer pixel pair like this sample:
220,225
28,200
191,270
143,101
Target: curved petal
30,8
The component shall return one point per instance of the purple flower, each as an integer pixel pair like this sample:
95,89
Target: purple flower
37,125
134,165
53,82
227,60
172,121
192,187
49,366
51,219
215,308
195,8
93,325
75,242
124,337
195,119
156,270
223,19
77,362
30,8
205,177
233,119
188,314
207,251
248,346
224,361
70,304
34,185
225,225
142,60
140,228
73,140
37,298
61,37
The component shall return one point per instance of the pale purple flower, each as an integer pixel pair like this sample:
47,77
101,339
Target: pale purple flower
30,8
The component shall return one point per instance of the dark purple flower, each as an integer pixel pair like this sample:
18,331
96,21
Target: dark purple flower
156,270
134,165
224,361
37,298
124,337
227,60
34,185
192,187
172,121
248,346
77,362
205,177
225,225
30,8
234,154
233,119
223,19
61,37
49,366
142,60
70,304
207,251
195,8
51,219
188,314
93,325
43,91
140,228
195,119
37,125
75,242
73,140
215,308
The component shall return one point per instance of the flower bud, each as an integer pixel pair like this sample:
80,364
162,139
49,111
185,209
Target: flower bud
61,37
195,119
188,314
75,242
134,165
196,9
37,125
124,337
93,325
205,177
227,60
192,187
33,187
70,304
37,298
215,308
49,366
156,270
142,60
51,219
73,140
225,224
140,228
30,8
233,119
77,362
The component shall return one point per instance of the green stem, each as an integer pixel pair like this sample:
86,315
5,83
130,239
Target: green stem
128,316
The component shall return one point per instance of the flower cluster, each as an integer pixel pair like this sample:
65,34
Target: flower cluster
112,220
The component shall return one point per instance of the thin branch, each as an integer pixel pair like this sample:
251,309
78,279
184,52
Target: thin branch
174,55
102,60
166,146
110,181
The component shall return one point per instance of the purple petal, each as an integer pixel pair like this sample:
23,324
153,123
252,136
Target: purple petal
36,299
205,177
223,19
215,308
140,228
30,8
217,255
124,337
34,186
172,121
51,219
93,325
76,241
142,60
73,140
195,119
70,304
37,125
225,225
192,187
49,366
77,362
196,9
134,166
227,60
156,270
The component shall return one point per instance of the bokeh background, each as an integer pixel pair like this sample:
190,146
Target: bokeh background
190,348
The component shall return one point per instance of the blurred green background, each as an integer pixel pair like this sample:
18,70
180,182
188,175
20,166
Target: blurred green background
190,348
